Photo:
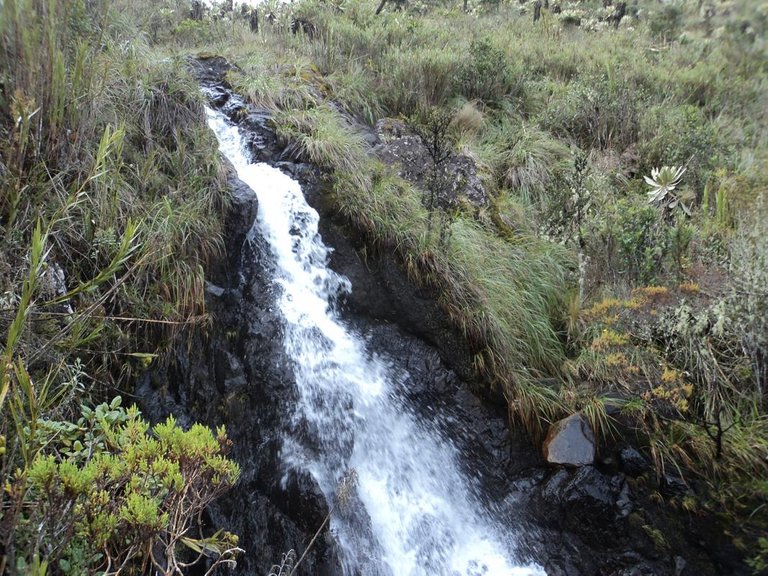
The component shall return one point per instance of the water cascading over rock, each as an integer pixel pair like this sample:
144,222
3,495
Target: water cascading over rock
412,510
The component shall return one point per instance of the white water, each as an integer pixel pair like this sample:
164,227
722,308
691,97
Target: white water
423,516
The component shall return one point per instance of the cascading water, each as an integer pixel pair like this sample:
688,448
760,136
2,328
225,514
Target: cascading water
410,510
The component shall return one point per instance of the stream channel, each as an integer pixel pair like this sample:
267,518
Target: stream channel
346,394
404,505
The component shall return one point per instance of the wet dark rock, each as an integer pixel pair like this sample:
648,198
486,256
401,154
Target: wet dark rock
589,488
301,498
213,290
211,72
381,289
235,375
632,462
234,107
680,565
218,96
570,442
673,485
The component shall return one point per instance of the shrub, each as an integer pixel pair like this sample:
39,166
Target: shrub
748,298
639,235
485,73
596,111
110,210
102,492
665,22
681,135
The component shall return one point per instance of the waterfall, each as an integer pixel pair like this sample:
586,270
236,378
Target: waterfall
406,509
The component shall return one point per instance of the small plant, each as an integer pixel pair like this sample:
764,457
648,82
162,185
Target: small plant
663,182
434,127
657,537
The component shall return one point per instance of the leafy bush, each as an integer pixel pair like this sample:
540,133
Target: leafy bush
681,135
110,208
103,492
193,32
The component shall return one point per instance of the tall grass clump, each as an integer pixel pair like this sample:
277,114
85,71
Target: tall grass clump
486,73
419,79
519,286
322,136
525,159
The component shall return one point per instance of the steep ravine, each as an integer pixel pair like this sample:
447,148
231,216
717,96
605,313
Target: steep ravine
592,520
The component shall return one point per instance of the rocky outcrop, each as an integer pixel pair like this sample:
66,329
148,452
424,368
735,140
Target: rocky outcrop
570,442
398,145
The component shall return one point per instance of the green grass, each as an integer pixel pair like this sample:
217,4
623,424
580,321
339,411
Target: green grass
525,159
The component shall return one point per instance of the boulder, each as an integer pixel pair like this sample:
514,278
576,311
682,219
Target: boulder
570,442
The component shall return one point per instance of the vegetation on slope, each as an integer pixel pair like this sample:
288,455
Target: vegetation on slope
574,291
110,208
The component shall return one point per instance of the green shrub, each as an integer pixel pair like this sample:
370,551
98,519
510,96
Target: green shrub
103,492
640,237
485,73
194,32
665,22
110,209
596,111
682,136
748,298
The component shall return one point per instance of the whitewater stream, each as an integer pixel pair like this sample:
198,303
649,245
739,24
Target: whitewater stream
400,503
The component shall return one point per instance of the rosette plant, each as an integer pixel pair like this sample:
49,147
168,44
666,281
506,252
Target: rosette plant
663,182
